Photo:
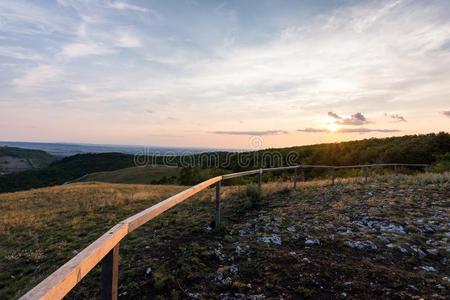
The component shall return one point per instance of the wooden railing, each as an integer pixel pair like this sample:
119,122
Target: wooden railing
106,248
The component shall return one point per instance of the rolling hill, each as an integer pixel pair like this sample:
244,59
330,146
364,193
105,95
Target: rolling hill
64,170
385,239
135,175
428,148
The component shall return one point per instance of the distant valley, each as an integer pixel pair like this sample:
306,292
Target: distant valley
68,149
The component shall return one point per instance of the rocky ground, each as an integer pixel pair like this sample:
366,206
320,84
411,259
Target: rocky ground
386,239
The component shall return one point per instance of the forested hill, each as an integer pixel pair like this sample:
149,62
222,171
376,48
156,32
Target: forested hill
64,170
429,148
406,149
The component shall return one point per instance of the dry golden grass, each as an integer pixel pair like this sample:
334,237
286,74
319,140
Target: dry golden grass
43,228
36,208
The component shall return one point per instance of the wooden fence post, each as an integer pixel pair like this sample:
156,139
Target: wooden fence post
295,178
217,214
110,275
333,175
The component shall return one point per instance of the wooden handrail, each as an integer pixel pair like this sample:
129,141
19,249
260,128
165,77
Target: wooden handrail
63,280
157,209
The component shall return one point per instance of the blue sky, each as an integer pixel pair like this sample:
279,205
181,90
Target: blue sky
219,73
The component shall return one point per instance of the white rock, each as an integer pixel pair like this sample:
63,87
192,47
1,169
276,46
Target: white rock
361,244
395,246
428,268
194,295
274,239
311,242
393,228
433,251
418,250
219,254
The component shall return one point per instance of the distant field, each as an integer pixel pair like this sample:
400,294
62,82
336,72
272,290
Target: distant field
13,160
9,164
134,175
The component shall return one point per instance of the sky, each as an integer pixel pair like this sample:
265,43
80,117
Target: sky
227,74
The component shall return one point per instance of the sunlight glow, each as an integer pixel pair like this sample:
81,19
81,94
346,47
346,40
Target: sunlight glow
332,127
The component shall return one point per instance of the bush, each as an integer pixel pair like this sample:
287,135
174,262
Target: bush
253,193
442,164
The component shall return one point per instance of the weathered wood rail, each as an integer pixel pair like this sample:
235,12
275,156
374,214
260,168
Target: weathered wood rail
106,248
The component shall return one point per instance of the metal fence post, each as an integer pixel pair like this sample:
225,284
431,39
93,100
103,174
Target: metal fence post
217,214
110,275
333,175
295,178
260,179
395,170
366,174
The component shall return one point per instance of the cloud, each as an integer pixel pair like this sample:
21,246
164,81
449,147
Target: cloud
98,42
371,57
84,49
365,130
312,130
334,115
126,39
396,118
257,133
122,5
347,130
28,18
357,119
446,113
19,53
37,77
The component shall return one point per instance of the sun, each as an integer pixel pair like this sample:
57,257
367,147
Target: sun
332,127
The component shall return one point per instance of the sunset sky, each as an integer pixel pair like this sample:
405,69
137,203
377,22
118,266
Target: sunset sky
222,73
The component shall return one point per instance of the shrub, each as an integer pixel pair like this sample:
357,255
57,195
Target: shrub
253,193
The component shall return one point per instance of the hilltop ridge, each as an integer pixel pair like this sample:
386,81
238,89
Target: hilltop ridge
429,149
387,238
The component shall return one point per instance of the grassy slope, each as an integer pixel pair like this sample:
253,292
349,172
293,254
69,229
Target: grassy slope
134,175
176,255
